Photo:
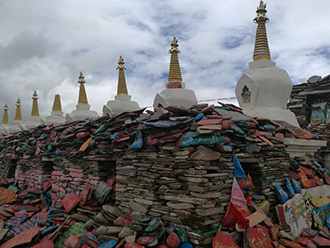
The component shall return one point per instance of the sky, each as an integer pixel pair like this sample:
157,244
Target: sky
45,44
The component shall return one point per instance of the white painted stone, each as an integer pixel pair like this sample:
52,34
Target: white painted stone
56,118
299,147
82,112
122,103
181,97
267,90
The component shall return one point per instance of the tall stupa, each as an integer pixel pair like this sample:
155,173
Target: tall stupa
175,92
122,102
56,116
82,111
35,119
264,90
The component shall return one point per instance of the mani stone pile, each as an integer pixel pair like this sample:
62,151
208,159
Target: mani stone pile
174,164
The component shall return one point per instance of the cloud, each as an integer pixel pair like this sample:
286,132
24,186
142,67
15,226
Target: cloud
44,46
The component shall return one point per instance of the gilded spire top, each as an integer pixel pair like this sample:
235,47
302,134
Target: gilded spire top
81,78
18,103
6,107
261,12
35,95
174,46
121,63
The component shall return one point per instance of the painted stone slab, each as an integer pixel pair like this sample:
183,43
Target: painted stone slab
77,229
259,237
44,244
133,245
143,240
154,223
222,240
209,122
70,201
6,195
321,212
296,185
25,226
321,242
289,187
27,208
208,139
23,238
188,245
294,213
172,240
120,244
17,220
282,195
109,244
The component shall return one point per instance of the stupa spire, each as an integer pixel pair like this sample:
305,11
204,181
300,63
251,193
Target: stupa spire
261,48
175,72
35,109
82,92
57,103
122,88
18,115
5,115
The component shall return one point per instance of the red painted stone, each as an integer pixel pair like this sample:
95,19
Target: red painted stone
321,242
326,176
133,245
222,240
209,122
44,244
6,195
172,240
259,237
22,238
70,201
119,244
318,181
143,240
121,221
73,242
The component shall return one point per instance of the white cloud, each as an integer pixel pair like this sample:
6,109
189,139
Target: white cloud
44,45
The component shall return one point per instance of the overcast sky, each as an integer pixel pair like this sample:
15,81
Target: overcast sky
45,44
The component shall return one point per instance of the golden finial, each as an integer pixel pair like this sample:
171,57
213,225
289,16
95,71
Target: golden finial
122,88
261,48
57,103
35,109
121,63
82,92
81,78
174,46
261,12
18,115
35,95
5,115
175,72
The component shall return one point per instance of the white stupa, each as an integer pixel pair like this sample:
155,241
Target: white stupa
5,127
175,92
264,90
35,119
82,111
56,116
122,102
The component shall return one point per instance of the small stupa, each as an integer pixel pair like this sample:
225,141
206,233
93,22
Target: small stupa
175,92
264,90
35,119
18,121
122,102
82,111
5,122
56,116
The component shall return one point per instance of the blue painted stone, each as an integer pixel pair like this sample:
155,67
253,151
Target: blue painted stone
170,228
185,245
48,230
281,193
109,244
296,186
289,187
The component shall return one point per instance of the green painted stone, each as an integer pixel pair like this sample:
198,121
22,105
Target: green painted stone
153,225
77,229
208,139
182,236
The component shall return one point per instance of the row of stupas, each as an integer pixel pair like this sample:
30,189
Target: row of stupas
262,91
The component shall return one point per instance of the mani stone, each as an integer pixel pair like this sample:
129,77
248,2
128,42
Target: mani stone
180,205
205,154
